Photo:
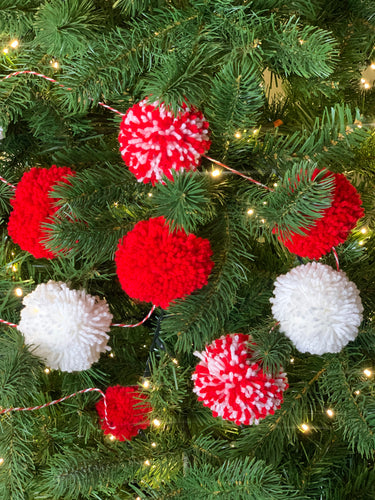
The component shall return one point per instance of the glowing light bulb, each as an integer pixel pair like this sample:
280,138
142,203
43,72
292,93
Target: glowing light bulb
6,50
262,221
18,292
275,184
361,243
255,131
305,427
367,372
153,445
156,422
47,371
216,172
149,194
14,44
250,211
292,360
372,66
357,392
112,437
112,355
1,461
175,361
364,230
330,412
367,85
238,135
363,80
301,42
147,462
264,203
14,268
146,384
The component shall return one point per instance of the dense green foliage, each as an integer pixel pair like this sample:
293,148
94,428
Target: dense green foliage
280,84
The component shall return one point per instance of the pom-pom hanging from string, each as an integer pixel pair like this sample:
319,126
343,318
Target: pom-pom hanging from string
67,327
33,207
335,225
318,308
232,385
158,266
127,412
155,142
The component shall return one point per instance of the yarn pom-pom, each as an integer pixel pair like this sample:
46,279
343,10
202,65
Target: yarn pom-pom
33,207
233,386
335,225
318,308
127,412
158,266
154,142
67,327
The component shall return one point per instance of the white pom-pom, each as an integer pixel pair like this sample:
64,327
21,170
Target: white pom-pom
318,308
67,327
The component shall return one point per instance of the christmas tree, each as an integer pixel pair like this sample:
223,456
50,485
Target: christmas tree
187,249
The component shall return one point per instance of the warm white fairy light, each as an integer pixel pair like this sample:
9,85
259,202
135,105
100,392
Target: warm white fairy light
305,427
54,63
367,85
357,392
250,211
372,66
14,268
6,50
255,131
47,370
156,422
238,135
264,203
146,384
147,462
112,437
262,221
216,172
175,361
367,372
18,292
153,445
363,80
149,194
1,461
112,355
364,230
14,44
275,184
361,243
291,360
330,412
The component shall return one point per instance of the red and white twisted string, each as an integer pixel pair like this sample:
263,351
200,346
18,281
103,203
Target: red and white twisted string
123,325
52,80
60,400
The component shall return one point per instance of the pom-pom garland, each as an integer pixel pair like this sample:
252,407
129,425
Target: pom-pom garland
127,412
318,308
233,386
33,207
158,266
335,225
154,142
67,327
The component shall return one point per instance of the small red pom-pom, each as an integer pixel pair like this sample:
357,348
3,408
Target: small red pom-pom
158,266
233,386
127,412
33,207
154,142
335,225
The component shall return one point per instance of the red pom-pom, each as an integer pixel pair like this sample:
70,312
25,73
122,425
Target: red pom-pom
233,386
33,207
127,412
335,225
154,142
158,266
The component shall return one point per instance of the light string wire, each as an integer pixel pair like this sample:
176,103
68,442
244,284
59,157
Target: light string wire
56,82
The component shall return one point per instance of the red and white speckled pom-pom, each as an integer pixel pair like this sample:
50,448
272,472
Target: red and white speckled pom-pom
154,142
233,386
